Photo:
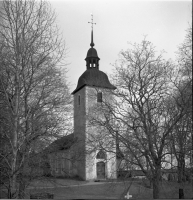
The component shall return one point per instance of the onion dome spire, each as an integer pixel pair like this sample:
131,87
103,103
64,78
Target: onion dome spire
93,76
92,59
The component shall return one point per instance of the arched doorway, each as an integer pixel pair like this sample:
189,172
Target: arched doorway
100,170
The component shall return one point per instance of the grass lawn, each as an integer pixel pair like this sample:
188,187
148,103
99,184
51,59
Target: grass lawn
73,189
108,190
171,190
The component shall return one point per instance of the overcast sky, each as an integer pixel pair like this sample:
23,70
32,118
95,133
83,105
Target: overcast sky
117,23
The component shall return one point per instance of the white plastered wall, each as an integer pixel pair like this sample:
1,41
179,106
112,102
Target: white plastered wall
91,161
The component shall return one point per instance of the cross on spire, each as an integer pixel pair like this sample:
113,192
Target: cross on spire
92,43
91,21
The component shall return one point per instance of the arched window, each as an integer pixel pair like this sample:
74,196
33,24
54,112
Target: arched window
101,155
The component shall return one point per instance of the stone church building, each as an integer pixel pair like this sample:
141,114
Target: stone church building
88,153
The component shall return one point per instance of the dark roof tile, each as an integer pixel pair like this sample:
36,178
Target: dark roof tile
93,77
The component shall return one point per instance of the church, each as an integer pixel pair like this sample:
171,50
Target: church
87,153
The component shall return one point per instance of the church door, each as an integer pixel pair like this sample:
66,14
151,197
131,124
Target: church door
100,170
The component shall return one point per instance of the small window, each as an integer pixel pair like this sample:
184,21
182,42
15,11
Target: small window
78,99
101,155
99,97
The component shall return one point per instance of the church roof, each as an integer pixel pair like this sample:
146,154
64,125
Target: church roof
93,77
62,143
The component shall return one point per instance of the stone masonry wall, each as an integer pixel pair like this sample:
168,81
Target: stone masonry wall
95,136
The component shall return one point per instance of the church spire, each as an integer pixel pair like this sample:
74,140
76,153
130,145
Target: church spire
92,43
92,59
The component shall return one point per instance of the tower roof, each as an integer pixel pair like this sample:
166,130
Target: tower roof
95,78
92,53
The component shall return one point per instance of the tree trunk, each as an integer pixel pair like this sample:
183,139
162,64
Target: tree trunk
181,168
22,186
14,155
15,132
14,176
156,192
156,182
13,181
21,179
9,194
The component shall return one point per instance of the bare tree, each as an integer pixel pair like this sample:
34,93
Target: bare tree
140,116
181,136
34,94
184,55
181,146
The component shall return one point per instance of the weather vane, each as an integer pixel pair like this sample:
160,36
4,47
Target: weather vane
91,21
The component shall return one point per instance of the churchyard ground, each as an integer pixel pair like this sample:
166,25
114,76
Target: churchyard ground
73,189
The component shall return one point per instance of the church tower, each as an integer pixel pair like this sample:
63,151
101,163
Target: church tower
93,88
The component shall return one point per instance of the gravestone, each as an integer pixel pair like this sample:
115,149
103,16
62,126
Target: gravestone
181,193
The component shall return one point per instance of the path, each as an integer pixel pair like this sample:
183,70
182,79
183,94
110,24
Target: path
60,184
